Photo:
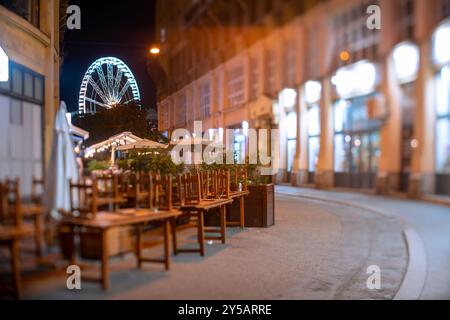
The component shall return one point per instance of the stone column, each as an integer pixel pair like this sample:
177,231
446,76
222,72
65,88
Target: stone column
301,157
422,178
325,165
49,16
388,175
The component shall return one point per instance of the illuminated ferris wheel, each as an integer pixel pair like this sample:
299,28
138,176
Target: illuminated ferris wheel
107,83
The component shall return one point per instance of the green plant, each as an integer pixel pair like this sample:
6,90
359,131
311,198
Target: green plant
157,160
97,165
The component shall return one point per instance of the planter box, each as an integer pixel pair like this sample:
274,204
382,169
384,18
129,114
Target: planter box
120,241
259,208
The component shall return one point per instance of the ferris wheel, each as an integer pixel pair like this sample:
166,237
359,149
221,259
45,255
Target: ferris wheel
107,83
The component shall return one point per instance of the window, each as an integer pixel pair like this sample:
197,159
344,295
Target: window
353,36
341,151
17,81
289,63
270,70
443,121
236,87
27,9
254,76
16,112
406,19
181,108
205,100
313,136
291,129
28,85
39,89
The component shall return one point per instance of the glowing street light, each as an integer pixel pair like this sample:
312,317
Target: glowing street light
155,51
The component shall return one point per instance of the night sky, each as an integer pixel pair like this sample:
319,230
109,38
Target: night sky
122,29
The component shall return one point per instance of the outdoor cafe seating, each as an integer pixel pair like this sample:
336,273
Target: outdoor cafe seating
101,206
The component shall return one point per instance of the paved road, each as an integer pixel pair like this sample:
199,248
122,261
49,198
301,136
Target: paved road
316,250
432,223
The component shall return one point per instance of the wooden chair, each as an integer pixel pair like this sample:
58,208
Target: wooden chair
83,199
108,191
160,195
239,176
15,212
222,184
10,208
207,184
12,230
177,191
36,197
136,188
191,188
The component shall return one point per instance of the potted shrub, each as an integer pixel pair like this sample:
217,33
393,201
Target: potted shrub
259,204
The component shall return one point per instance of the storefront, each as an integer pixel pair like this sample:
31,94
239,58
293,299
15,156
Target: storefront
441,62
405,59
313,92
21,125
356,126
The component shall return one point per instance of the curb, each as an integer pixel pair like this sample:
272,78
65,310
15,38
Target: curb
416,270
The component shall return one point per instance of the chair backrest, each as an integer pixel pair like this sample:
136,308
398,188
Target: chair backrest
239,176
191,188
222,178
160,195
177,191
107,185
37,184
207,182
10,203
87,196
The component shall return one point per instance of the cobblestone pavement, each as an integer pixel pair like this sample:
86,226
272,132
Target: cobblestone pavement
316,250
430,221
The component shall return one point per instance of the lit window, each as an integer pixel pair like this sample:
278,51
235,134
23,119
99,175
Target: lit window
441,45
291,125
406,61
236,95
205,102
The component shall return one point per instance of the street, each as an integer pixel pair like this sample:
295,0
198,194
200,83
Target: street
320,248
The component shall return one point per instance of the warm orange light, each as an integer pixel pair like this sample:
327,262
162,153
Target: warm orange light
154,50
344,55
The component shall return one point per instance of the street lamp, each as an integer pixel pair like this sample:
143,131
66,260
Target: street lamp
155,50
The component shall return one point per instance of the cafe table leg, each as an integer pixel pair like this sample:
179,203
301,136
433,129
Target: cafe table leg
139,245
73,252
201,232
242,211
105,258
15,266
223,222
38,234
167,243
174,236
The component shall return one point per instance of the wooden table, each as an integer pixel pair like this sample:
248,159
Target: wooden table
105,221
11,236
199,210
240,195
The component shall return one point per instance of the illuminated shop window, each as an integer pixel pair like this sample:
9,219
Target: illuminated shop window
291,133
443,121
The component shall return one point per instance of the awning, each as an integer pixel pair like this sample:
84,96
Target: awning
142,144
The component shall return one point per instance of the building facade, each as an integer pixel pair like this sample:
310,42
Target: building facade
357,105
29,98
